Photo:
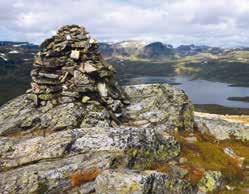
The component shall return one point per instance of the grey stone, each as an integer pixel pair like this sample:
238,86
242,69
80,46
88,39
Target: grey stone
89,68
75,54
70,94
102,88
55,162
211,182
222,129
45,81
127,182
163,106
47,75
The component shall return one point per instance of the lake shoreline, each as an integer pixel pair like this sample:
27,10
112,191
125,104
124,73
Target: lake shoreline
220,110
200,91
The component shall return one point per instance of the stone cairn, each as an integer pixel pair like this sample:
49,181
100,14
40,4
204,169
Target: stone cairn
69,68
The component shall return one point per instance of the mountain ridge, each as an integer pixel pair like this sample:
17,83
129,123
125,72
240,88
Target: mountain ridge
130,48
133,58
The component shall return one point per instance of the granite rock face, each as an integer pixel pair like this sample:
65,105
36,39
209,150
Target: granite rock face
65,147
147,182
161,106
67,159
77,131
222,129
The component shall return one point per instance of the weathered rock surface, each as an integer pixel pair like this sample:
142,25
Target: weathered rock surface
44,150
211,181
147,182
220,128
78,131
160,105
54,162
68,67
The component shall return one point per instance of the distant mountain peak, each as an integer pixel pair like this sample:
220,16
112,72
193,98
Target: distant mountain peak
131,43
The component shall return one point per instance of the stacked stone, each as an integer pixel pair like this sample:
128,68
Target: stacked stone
69,68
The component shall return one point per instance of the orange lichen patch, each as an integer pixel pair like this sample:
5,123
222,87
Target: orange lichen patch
79,178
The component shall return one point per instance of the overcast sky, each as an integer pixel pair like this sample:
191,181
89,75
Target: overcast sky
213,22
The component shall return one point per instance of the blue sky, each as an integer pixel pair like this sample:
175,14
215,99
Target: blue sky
213,22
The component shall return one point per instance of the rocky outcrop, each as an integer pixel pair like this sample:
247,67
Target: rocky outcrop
67,159
71,148
140,183
160,105
91,135
220,128
44,149
211,181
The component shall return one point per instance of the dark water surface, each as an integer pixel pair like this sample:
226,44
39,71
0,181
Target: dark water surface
200,91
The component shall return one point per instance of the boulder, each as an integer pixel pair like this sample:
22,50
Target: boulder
67,159
161,106
211,181
220,128
147,182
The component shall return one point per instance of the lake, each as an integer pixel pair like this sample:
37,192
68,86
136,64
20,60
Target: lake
200,91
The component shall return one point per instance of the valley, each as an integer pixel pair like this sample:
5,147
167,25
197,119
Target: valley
216,79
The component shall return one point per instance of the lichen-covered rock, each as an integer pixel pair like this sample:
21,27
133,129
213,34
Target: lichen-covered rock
19,116
160,105
211,181
221,129
131,141
41,149
32,150
56,176
66,159
147,182
74,124
165,148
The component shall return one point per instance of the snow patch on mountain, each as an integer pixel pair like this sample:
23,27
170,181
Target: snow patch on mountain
3,56
13,52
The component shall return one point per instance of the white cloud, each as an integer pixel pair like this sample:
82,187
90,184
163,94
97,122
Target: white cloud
214,22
